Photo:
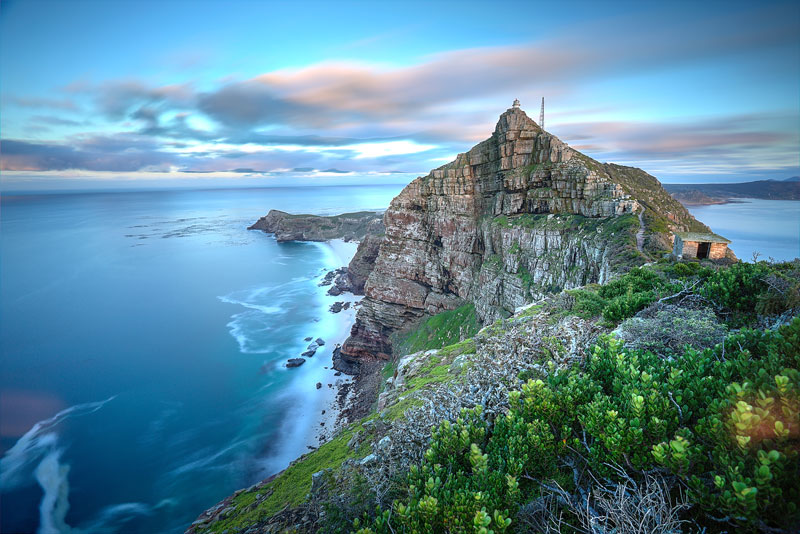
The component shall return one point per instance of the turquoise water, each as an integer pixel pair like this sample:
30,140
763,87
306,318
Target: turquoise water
769,227
143,337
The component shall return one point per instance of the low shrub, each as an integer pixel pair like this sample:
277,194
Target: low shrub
724,422
669,329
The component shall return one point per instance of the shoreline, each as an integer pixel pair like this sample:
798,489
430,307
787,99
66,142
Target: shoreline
326,413
318,411
328,423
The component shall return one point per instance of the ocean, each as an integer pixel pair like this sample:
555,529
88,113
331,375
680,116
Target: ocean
770,228
143,339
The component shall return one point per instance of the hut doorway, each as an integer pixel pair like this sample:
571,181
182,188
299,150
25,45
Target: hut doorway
702,250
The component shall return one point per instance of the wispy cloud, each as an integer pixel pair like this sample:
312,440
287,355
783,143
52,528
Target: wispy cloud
356,115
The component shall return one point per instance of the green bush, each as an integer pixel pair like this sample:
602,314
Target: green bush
724,421
735,291
687,269
627,305
637,280
588,304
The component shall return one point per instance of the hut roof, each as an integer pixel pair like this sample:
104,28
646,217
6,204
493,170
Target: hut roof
702,237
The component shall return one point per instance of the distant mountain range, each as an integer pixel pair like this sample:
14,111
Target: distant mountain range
705,194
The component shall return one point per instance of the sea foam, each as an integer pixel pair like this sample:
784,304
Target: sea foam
39,446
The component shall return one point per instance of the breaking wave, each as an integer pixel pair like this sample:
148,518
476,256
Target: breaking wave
39,447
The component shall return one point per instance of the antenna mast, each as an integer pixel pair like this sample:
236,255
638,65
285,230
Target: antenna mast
541,116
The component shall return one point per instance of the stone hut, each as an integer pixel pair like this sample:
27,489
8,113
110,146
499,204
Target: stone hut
700,245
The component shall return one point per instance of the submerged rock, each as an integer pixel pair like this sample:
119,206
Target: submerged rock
335,291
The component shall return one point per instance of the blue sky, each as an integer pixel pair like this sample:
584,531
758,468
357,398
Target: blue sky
258,93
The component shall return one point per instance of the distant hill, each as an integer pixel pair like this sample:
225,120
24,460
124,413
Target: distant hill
705,194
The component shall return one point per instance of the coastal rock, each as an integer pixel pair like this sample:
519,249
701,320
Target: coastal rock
342,365
336,307
295,362
365,227
290,227
309,353
319,385
329,277
319,341
520,215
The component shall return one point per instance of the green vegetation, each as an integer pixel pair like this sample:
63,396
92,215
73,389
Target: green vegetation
679,423
292,485
588,304
442,329
669,329
647,190
722,423
737,293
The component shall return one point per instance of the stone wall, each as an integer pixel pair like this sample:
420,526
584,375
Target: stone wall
718,251
688,249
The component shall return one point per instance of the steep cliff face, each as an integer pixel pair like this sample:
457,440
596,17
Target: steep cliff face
518,215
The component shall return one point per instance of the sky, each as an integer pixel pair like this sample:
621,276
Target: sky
152,93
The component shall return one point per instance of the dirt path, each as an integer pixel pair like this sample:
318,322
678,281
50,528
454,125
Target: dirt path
640,233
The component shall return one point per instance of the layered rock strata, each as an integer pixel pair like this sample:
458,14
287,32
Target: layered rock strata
477,229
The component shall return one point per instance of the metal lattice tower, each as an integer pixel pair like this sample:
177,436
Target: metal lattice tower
541,116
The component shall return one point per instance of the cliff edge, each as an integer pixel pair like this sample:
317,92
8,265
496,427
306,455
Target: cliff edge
518,216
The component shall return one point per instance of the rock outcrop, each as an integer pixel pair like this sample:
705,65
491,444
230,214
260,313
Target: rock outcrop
519,215
348,226
366,227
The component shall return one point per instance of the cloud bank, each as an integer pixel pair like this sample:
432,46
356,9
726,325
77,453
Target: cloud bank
354,116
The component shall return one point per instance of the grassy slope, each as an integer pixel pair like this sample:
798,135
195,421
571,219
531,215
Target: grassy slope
663,213
442,329
291,486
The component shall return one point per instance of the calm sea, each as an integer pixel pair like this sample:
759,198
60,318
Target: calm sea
768,227
143,338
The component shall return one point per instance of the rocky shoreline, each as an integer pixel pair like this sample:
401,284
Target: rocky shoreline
353,398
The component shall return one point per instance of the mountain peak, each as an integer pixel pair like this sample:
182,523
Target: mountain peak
515,119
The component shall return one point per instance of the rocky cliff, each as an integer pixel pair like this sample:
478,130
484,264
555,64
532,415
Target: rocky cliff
519,215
